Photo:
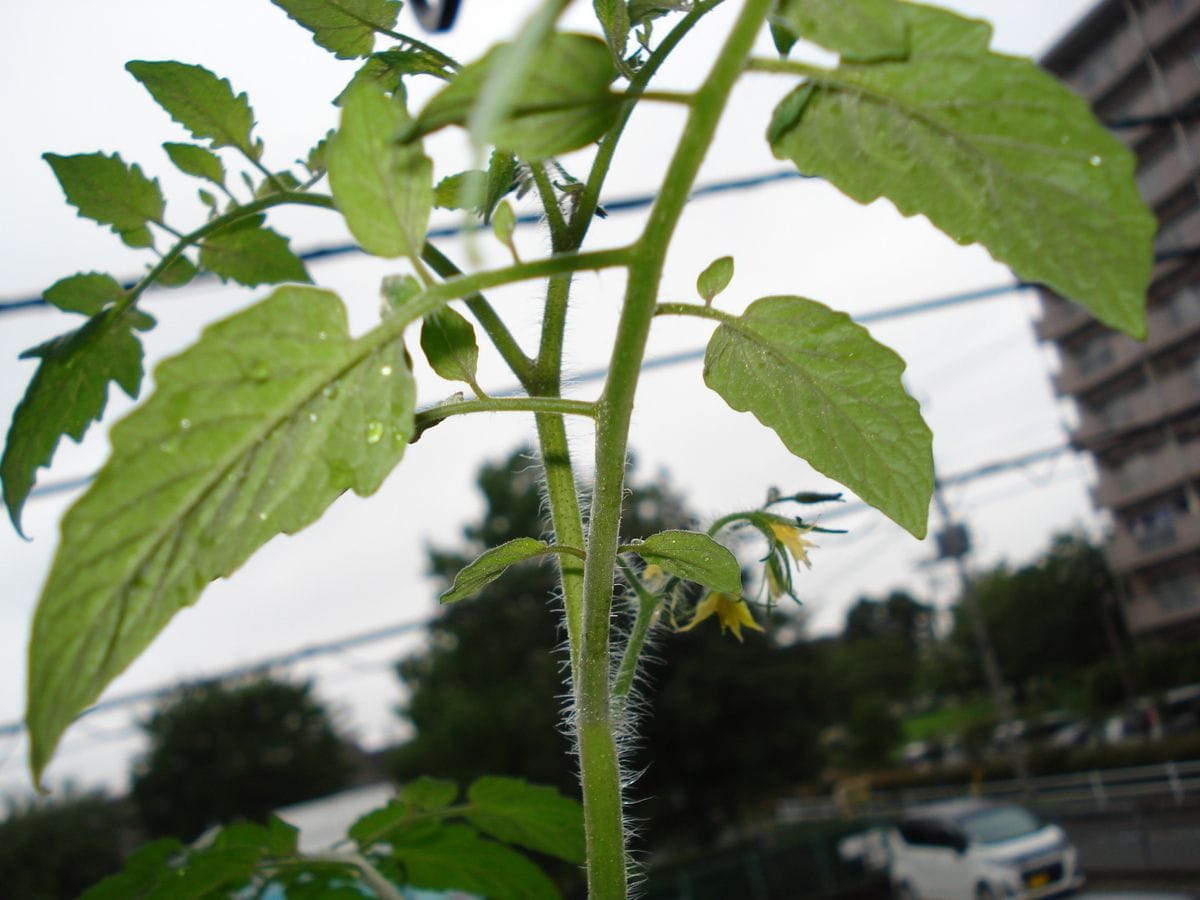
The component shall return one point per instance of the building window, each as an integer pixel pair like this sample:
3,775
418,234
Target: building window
1094,355
1178,594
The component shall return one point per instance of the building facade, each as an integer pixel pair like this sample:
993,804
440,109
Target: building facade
1138,64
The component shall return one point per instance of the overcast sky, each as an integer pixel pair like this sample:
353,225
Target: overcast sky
981,378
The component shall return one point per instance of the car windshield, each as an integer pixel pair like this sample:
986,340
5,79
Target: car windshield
1000,823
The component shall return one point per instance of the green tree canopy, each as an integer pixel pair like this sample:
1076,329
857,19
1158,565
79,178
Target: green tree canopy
223,752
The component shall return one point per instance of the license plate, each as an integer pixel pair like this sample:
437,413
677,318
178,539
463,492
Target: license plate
1038,879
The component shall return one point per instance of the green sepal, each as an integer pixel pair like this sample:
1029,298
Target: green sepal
833,395
693,556
490,565
103,188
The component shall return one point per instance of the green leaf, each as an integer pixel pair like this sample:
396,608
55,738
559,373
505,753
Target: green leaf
144,870
694,556
378,824
199,101
939,32
178,273
614,18
107,191
315,160
858,30
532,816
491,564
501,179
276,838
430,794
196,161
209,873
464,190
449,344
389,68
562,103
344,27
279,183
833,395
504,223
714,279
251,433
992,150
251,254
382,187
455,857
783,38
86,293
68,393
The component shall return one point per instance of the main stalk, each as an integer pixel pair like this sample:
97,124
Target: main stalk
598,760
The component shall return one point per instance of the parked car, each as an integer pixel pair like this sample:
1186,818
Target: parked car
973,848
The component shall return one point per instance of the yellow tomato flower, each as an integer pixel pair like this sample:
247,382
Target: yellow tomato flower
792,537
732,612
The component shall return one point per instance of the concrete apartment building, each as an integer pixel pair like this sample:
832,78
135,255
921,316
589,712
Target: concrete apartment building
1138,63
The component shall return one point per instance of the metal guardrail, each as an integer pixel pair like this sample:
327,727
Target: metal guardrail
1096,790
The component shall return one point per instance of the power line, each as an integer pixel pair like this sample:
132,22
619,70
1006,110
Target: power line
375,635
671,359
621,204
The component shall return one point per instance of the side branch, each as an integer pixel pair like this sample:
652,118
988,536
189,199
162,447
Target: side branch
426,419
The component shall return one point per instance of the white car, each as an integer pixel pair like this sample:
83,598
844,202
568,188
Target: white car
971,848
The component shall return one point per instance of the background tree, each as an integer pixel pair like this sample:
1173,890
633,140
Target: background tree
1045,618
480,705
59,848
221,752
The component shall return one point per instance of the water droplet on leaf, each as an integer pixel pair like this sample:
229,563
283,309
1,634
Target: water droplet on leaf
374,432
312,417
185,424
330,392
385,371
1096,160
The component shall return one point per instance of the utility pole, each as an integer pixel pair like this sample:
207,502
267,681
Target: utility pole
954,543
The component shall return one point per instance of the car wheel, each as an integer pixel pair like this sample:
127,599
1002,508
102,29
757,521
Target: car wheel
904,891
984,892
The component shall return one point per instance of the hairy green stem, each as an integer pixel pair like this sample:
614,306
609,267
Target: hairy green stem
599,767
785,67
541,405
693,309
581,219
194,237
647,606
491,323
374,879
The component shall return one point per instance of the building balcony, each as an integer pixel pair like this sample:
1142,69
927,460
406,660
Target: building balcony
1117,353
1060,318
1166,174
1136,409
1179,534
1158,610
1154,473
